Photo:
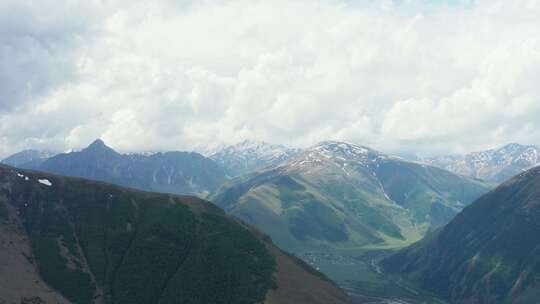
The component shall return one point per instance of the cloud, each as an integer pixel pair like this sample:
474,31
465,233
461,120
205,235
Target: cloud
402,77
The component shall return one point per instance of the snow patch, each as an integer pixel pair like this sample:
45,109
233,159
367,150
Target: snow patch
26,178
45,182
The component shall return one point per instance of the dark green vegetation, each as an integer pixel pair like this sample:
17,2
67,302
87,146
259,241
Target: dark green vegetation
490,253
3,212
97,242
342,196
338,205
171,172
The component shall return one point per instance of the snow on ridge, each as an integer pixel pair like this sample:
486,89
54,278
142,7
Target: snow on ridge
343,155
490,163
336,152
255,150
346,151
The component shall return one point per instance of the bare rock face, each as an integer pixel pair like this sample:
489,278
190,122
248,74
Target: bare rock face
20,281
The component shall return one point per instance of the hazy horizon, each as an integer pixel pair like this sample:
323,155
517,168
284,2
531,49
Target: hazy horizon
212,149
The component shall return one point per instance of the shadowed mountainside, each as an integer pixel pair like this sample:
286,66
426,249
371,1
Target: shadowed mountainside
490,253
69,240
170,172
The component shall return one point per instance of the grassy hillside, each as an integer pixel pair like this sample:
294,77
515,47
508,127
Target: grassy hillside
488,254
338,205
384,203
97,243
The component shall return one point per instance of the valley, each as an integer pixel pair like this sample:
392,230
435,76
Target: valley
341,208
269,152
358,273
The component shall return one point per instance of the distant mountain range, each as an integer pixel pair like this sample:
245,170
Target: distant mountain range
489,254
495,165
29,158
341,194
250,156
170,172
346,200
70,240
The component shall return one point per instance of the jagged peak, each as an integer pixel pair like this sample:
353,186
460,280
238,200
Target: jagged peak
98,142
342,147
338,152
255,145
99,145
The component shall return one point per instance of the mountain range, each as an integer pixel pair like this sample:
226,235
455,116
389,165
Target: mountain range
490,253
495,165
170,172
336,205
70,240
29,158
250,156
345,195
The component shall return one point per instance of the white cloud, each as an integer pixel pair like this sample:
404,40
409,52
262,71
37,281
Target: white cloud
145,75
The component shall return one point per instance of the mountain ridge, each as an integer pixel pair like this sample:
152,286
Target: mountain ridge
93,242
487,254
175,172
29,157
336,192
496,165
250,156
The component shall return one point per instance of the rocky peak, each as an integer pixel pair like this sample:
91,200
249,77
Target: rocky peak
99,146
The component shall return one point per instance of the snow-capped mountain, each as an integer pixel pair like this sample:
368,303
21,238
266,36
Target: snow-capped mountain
340,153
496,165
328,191
250,156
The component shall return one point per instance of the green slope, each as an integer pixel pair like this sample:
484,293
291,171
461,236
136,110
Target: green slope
97,243
340,196
490,253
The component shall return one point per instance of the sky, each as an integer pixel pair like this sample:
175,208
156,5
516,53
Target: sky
408,76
